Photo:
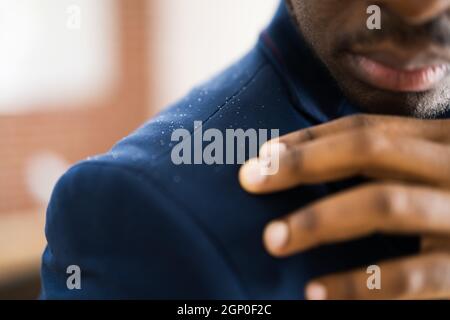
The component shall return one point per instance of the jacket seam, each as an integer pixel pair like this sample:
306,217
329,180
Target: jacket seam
232,98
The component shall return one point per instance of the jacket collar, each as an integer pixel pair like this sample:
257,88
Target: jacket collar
313,90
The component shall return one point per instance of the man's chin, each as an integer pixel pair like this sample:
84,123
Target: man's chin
426,105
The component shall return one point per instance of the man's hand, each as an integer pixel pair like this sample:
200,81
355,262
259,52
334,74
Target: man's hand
410,160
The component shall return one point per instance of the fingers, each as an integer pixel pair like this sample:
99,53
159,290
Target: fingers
360,212
375,146
421,277
355,152
432,243
357,143
436,130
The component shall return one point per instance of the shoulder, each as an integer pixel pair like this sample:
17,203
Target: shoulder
138,172
129,240
133,161
246,95
108,211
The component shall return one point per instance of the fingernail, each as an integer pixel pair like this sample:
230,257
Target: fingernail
316,291
251,173
276,235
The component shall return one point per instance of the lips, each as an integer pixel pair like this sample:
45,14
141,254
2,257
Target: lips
404,78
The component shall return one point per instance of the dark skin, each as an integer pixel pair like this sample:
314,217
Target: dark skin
406,154
412,32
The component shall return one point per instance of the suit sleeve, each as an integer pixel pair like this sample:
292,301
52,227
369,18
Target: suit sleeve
129,240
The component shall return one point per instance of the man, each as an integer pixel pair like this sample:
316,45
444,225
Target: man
352,190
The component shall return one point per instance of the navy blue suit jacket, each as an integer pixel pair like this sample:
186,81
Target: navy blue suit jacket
140,226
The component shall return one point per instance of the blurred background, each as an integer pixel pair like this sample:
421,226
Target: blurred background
78,75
